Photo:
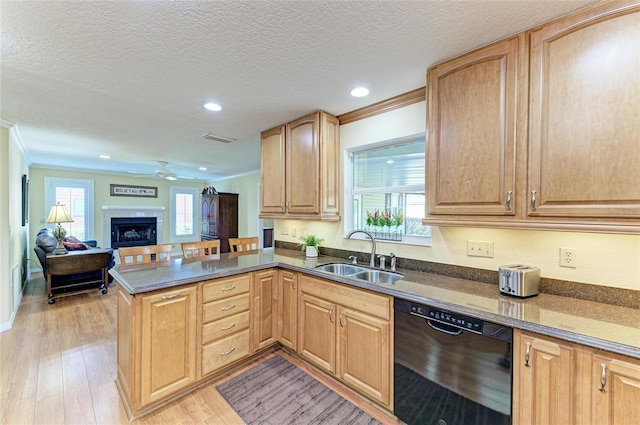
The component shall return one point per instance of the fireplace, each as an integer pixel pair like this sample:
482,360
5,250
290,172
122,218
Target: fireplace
133,231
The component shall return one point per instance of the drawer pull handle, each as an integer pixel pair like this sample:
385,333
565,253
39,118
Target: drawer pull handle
526,354
293,281
603,378
228,308
341,314
509,192
331,314
231,288
226,353
168,297
231,326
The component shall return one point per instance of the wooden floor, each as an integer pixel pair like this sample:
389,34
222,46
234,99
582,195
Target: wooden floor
58,366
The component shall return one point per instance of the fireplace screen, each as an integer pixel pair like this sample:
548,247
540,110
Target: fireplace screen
133,231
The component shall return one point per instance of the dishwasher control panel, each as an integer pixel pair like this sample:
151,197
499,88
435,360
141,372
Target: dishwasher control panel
453,319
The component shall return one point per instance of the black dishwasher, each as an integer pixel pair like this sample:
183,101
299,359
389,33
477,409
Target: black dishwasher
450,369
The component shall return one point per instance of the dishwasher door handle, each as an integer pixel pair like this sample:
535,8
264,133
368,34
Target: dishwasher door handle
435,325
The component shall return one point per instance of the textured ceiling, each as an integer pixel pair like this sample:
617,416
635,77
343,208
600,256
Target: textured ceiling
129,78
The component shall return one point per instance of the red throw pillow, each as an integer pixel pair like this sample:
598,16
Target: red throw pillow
72,243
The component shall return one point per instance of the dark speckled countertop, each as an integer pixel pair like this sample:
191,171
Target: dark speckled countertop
603,326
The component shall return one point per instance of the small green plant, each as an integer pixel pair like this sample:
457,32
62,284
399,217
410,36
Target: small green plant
311,240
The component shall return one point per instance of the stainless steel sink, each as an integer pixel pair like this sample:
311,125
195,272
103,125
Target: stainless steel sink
360,272
340,268
378,276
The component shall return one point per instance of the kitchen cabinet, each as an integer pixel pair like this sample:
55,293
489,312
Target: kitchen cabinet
156,348
347,332
220,218
288,308
225,322
540,130
544,380
265,308
300,169
556,382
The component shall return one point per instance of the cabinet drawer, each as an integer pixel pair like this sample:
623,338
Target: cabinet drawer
225,308
226,287
226,326
358,299
225,351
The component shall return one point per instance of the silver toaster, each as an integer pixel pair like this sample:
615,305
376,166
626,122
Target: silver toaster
519,280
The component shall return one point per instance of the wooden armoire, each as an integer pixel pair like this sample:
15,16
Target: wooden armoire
219,217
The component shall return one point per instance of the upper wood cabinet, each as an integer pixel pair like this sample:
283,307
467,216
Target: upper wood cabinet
541,130
300,169
471,145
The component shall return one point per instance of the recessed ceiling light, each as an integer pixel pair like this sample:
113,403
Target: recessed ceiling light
213,107
105,157
360,92
390,161
202,168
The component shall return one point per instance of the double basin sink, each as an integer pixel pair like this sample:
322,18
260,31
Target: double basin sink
360,272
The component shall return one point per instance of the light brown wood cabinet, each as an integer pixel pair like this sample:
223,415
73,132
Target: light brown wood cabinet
347,332
540,131
557,382
156,349
288,309
300,169
265,308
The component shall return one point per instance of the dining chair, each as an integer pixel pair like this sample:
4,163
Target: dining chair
144,254
200,248
243,244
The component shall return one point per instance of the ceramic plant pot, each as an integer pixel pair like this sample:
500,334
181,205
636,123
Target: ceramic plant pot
311,251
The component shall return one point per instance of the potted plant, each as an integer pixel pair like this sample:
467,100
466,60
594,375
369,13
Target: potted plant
311,244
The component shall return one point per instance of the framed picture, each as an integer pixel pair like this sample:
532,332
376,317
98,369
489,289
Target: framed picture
25,200
140,191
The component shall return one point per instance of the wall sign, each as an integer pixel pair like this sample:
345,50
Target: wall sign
140,191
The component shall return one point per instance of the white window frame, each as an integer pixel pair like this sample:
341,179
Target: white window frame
50,185
173,191
348,193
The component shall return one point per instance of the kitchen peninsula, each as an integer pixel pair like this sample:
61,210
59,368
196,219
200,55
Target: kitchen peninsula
182,323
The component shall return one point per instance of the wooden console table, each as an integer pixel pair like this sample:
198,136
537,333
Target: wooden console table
74,262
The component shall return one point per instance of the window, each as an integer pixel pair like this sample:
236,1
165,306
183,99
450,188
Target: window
183,214
77,196
386,192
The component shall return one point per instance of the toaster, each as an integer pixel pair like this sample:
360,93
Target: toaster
519,280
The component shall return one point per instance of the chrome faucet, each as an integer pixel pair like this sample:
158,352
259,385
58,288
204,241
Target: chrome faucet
392,256
372,260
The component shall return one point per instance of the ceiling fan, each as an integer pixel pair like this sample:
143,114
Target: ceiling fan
163,173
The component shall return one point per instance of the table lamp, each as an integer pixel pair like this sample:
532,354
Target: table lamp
59,214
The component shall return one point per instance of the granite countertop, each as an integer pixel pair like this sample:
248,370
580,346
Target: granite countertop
598,325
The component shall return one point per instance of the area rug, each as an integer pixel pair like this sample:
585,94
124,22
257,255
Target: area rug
276,392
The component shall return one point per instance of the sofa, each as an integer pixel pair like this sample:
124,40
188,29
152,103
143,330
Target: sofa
85,267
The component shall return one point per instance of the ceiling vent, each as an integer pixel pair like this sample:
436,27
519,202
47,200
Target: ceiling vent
211,136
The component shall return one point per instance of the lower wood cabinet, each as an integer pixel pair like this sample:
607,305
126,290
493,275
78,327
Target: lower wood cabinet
265,308
347,332
288,309
557,382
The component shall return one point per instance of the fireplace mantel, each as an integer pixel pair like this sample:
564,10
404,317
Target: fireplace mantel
111,211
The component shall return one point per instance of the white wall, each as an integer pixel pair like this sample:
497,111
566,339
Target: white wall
607,260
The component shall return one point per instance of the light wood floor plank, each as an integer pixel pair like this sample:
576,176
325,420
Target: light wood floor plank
59,367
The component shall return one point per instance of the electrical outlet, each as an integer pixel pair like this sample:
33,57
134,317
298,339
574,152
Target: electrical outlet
284,231
568,257
480,249
293,232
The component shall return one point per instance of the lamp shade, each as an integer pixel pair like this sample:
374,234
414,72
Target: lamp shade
59,214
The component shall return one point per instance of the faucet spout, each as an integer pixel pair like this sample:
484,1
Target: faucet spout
372,260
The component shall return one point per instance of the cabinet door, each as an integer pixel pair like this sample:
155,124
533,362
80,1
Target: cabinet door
303,159
544,373
168,343
272,171
288,309
472,106
317,331
584,127
265,308
365,354
615,389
